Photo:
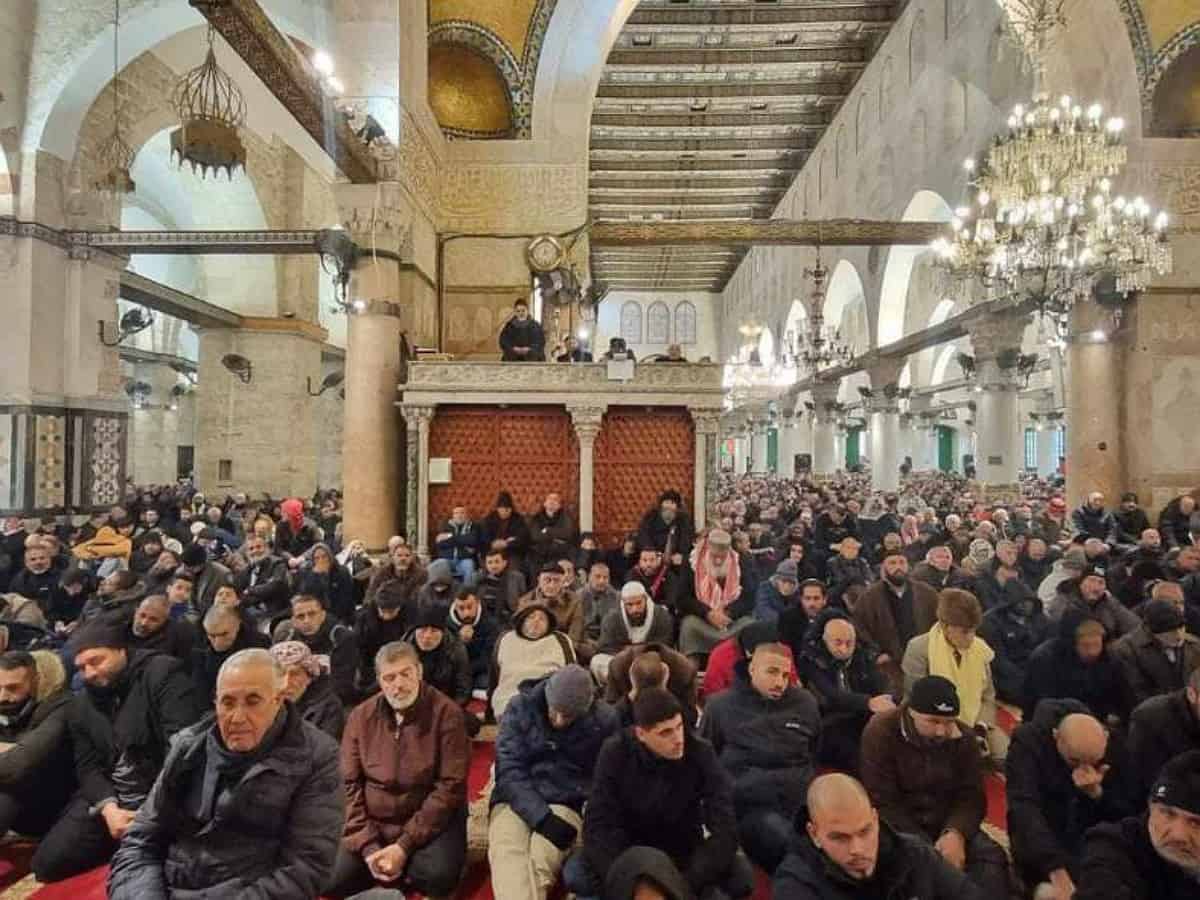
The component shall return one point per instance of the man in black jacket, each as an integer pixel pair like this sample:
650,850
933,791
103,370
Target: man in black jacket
1064,776
134,702
658,785
1092,520
1155,856
1013,630
845,852
522,338
263,584
1163,727
152,628
840,670
1131,520
668,525
552,533
1077,664
248,805
765,732
311,624
38,580
225,633
37,773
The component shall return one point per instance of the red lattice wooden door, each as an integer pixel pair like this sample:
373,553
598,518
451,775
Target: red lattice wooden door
527,451
639,454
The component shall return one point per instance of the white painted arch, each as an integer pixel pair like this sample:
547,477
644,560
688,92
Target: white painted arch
925,206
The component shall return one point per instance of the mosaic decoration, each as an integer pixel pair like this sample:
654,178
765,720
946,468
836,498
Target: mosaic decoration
519,75
528,452
108,437
639,454
50,462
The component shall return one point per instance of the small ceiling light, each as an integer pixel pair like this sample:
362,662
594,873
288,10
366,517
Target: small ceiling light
1099,336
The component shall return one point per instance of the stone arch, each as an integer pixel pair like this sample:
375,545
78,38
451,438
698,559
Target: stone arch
631,322
1174,94
916,47
946,367
925,206
845,289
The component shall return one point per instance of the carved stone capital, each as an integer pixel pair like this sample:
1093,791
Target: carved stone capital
707,421
418,416
992,335
587,421
374,217
390,308
886,371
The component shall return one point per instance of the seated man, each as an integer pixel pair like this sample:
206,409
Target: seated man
777,593
37,772
797,618
1077,665
640,667
553,593
404,764
765,731
225,633
1163,727
308,687
726,655
659,785
457,541
638,620
938,570
598,598
893,611
952,649
263,584
923,770
712,603
1155,856
475,628
387,616
533,649
1159,656
1063,777
246,805
1014,630
152,628
849,687
847,852
500,585
444,660
312,624
121,726
545,754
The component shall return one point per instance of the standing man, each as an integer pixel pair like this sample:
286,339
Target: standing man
522,338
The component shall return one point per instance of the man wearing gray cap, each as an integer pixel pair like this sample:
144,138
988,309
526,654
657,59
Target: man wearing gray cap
711,601
1155,856
776,593
549,740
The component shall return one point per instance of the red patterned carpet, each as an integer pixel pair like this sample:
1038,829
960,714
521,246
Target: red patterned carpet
14,858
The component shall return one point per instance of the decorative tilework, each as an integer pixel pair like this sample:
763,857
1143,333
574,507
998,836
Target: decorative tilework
50,462
108,438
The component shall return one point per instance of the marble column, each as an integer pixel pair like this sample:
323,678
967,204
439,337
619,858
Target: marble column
999,453
788,430
921,437
154,427
412,467
1047,459
758,450
587,421
741,453
883,424
424,417
1096,361
824,431
707,423
371,424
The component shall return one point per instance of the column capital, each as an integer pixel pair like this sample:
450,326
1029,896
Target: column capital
386,308
418,415
992,335
886,371
587,421
707,421
375,215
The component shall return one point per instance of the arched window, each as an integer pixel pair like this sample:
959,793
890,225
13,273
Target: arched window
631,322
658,324
685,323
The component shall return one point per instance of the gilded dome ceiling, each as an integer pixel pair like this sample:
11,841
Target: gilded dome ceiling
475,45
1163,34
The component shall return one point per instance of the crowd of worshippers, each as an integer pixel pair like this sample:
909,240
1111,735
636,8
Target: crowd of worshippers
216,700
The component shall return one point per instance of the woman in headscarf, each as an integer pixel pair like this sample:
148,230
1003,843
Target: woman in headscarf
307,684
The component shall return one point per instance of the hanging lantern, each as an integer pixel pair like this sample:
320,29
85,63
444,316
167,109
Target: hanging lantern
114,158
211,109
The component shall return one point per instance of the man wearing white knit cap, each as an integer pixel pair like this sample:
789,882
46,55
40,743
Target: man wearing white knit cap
638,620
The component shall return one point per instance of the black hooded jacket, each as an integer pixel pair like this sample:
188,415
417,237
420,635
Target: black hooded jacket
1120,863
1055,670
843,688
1014,630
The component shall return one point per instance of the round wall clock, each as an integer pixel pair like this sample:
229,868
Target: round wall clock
544,253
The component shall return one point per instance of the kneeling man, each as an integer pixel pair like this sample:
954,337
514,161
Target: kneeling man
247,804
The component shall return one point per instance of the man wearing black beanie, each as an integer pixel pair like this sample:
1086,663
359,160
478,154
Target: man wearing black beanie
1155,856
121,725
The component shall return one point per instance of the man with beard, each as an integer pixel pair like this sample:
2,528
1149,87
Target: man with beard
225,633
263,584
476,630
552,532
207,576
501,584
661,587
598,598
1160,656
12,549
145,554
443,658
713,605
924,772
797,618
765,731
847,851
638,620
841,673
152,628
395,584
405,754
522,338
160,573
552,593
246,806
505,529
38,580
891,612
1132,521
385,618
1163,727
121,725
311,624
1014,630
668,525
37,772
1155,856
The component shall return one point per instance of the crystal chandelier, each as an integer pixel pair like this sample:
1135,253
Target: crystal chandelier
211,109
816,347
114,158
1043,222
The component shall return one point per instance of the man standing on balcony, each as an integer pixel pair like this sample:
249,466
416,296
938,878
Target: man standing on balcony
522,338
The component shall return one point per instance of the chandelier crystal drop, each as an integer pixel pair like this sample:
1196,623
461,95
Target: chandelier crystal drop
211,109
1042,222
114,158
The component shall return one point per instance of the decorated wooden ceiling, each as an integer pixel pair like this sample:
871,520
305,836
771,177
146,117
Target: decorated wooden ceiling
1166,47
708,110
483,58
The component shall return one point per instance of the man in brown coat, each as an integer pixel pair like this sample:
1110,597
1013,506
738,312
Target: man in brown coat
405,755
553,593
893,611
923,771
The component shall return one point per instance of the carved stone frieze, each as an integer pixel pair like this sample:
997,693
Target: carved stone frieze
833,232
480,197
451,377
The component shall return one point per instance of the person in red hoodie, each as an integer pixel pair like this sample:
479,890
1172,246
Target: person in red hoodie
721,662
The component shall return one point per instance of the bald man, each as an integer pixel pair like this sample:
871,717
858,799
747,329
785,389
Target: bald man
1065,775
848,852
152,628
248,805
